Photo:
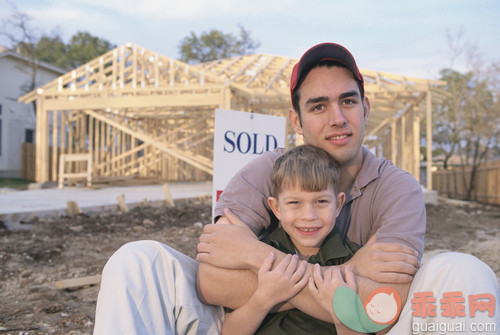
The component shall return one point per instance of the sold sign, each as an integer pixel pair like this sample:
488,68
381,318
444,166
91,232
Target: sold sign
239,137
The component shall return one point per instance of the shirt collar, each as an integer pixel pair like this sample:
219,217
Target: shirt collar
370,170
332,247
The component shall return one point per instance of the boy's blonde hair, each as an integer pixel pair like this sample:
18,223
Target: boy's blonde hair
307,166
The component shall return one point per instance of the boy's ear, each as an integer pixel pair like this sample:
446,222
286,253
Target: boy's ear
340,202
273,203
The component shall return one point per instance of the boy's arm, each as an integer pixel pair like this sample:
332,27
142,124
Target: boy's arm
274,286
247,318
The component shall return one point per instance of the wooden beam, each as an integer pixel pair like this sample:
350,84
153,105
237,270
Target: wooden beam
244,68
120,102
77,282
42,144
394,126
428,135
416,144
121,203
55,149
277,74
72,208
257,73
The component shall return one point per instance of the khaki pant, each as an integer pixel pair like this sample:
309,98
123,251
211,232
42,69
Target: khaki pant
150,288
443,274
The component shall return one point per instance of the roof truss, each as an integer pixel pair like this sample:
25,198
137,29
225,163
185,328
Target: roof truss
130,85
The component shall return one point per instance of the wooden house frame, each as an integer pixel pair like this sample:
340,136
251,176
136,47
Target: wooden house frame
140,114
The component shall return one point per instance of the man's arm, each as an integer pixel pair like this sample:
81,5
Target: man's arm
230,256
233,287
401,280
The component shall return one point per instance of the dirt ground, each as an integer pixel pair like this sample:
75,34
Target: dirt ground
32,260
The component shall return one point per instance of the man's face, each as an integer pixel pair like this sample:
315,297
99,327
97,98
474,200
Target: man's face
333,115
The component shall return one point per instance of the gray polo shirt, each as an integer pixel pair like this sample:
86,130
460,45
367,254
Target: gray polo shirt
383,199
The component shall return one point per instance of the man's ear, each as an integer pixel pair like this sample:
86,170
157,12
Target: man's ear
340,202
294,119
273,204
366,107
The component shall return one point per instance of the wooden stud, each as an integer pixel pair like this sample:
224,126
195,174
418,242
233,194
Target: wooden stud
121,203
74,283
55,146
72,208
428,135
168,197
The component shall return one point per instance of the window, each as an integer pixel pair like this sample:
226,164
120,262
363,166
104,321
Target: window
28,137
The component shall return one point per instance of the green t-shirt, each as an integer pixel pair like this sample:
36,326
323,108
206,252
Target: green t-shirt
333,251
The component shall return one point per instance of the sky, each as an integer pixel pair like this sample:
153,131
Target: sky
407,37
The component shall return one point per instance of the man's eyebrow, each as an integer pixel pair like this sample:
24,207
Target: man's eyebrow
350,94
316,100
344,95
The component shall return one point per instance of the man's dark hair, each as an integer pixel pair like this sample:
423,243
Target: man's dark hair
328,64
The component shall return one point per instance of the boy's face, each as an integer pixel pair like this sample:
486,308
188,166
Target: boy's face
307,217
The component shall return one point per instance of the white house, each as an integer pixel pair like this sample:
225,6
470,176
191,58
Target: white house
17,120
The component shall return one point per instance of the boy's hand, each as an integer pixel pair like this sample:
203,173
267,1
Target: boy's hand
323,287
281,283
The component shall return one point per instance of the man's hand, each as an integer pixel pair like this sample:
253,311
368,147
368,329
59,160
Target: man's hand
230,218
230,245
323,286
385,262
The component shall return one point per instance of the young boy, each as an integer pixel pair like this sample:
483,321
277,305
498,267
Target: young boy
306,202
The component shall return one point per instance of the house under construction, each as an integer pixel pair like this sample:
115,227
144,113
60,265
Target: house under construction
132,113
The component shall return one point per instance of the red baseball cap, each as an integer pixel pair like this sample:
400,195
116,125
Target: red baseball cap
323,52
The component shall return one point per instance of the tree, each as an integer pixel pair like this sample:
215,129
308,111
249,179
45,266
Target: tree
84,47
468,123
22,36
25,39
216,45
51,49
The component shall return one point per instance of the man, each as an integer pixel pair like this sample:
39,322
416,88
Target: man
148,288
